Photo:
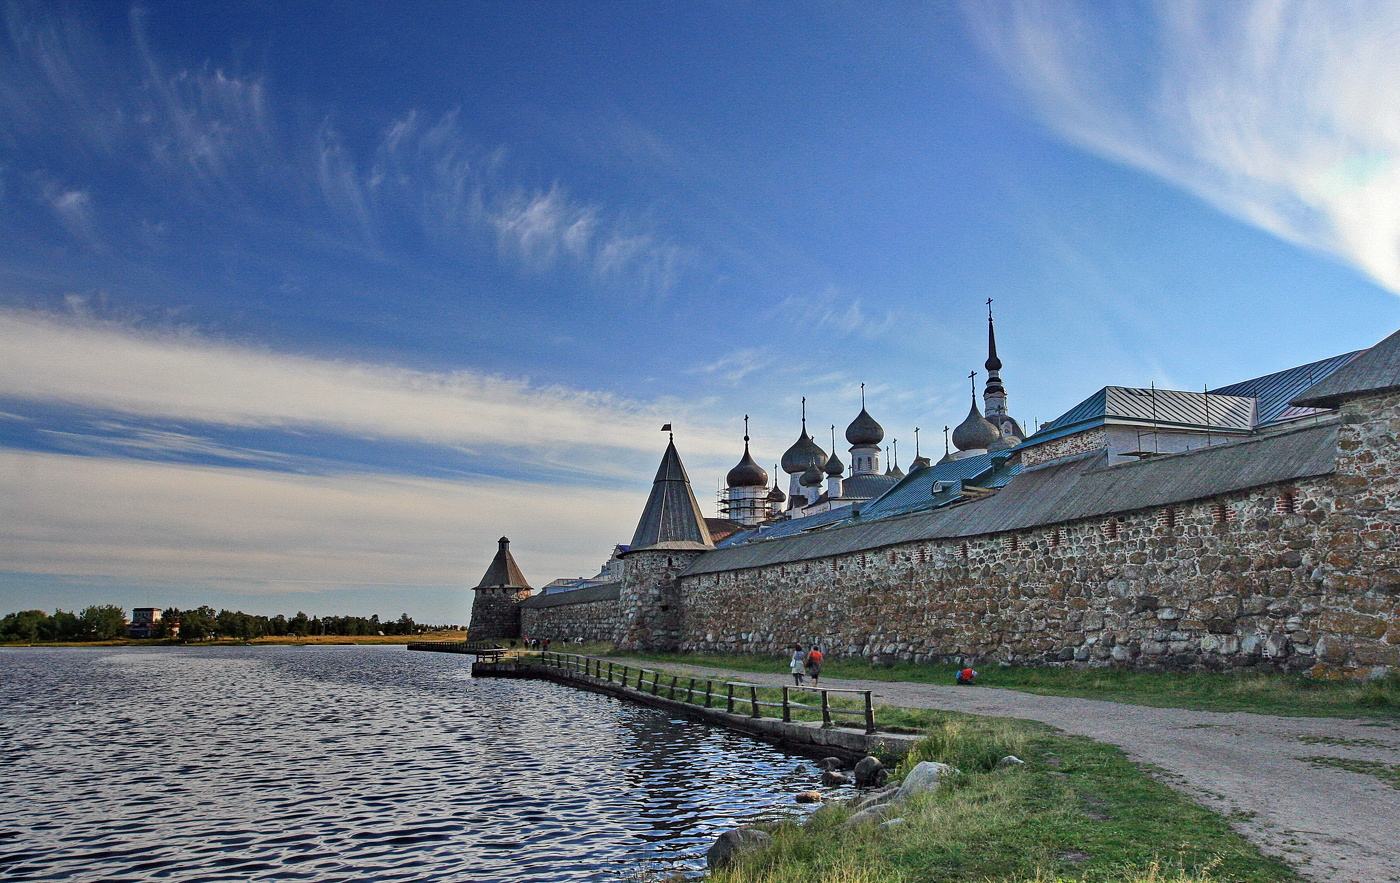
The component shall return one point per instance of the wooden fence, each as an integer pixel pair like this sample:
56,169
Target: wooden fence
735,697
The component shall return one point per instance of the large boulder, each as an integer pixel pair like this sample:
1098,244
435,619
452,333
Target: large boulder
831,763
870,773
733,842
870,815
924,778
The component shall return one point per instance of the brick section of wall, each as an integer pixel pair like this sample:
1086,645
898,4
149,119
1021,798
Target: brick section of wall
591,621
1079,443
495,614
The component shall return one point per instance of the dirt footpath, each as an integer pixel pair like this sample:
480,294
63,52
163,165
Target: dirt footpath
1331,824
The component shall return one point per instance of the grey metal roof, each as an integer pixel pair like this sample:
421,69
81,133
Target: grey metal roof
1375,370
791,526
604,592
1064,490
866,486
915,490
671,518
1274,391
503,571
1160,407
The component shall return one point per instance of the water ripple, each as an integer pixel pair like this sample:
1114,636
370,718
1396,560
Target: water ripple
353,763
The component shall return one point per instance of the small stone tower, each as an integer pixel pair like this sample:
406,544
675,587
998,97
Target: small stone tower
670,534
495,613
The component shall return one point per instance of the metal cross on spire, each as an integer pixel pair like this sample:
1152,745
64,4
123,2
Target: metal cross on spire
804,415
946,449
746,432
972,376
862,396
916,443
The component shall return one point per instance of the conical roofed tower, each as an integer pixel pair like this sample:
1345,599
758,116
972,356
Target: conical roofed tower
495,613
671,518
670,534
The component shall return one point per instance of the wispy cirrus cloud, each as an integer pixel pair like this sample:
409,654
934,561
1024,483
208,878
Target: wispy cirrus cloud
1279,112
112,114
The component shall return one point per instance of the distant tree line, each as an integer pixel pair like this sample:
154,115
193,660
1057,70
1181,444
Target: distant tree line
105,622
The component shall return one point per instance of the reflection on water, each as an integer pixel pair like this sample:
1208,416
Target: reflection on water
352,763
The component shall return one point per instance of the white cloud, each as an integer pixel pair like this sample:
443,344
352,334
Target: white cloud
185,377
1283,114
274,532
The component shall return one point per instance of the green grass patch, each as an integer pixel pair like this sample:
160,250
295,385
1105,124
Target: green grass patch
1077,811
1261,692
1388,773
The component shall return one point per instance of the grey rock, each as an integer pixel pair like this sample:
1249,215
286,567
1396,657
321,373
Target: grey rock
924,778
831,778
831,763
869,772
1010,760
884,796
892,823
733,842
869,816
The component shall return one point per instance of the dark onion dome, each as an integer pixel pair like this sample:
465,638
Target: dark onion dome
896,472
803,454
864,430
974,433
811,478
747,473
776,495
834,466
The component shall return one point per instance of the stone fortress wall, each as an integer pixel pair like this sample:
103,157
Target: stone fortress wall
1302,575
595,620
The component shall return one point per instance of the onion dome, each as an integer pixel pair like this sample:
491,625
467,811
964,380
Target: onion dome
834,466
803,454
811,478
747,473
974,433
776,495
864,430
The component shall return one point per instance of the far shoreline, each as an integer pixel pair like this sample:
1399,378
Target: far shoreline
268,641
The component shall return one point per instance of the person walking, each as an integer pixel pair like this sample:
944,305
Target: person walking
798,664
814,664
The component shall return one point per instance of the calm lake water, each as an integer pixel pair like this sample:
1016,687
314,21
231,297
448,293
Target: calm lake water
353,763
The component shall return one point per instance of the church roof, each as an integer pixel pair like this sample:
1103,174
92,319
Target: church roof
1373,371
1275,391
1064,490
1166,408
503,572
671,518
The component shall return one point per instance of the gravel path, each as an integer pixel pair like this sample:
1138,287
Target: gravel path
1331,824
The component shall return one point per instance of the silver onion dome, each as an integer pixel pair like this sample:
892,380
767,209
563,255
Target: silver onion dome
864,430
974,433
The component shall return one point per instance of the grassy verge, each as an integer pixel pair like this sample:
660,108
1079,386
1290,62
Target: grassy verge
1077,811
1263,693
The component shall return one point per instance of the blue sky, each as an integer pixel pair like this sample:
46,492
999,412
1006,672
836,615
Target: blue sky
303,304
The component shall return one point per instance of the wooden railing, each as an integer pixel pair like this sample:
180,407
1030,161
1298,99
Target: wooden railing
736,697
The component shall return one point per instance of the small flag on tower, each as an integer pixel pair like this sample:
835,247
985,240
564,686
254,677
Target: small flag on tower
666,428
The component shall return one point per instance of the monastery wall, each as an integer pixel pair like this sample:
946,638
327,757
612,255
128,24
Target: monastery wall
589,620
1299,576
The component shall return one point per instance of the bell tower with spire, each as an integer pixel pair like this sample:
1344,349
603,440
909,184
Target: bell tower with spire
994,395
670,534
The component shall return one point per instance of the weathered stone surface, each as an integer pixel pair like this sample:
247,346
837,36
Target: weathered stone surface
870,815
733,842
1010,761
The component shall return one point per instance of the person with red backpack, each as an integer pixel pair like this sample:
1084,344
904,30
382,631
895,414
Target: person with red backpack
966,676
